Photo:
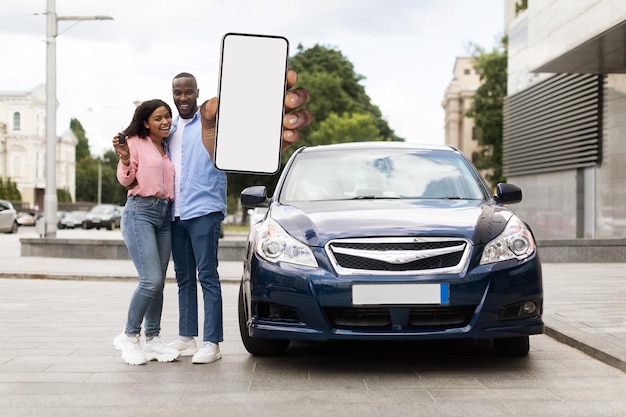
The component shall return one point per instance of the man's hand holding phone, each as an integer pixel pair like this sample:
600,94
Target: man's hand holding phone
295,117
253,76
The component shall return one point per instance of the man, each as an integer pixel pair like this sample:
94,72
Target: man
200,207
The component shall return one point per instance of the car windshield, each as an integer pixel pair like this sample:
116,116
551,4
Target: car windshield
380,174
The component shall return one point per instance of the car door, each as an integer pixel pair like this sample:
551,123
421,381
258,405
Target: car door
6,217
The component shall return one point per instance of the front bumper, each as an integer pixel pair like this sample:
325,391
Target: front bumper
291,302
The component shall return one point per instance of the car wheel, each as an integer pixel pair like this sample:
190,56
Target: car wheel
14,228
255,345
512,346
110,226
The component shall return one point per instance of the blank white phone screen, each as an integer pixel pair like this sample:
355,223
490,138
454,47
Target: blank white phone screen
252,83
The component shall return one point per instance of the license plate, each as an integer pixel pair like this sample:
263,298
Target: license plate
379,294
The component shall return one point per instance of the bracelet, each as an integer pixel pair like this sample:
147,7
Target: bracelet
124,160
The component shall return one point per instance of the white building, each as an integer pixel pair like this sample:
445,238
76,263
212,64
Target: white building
23,146
458,99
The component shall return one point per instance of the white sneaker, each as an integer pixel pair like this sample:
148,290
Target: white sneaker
131,349
185,348
155,349
209,352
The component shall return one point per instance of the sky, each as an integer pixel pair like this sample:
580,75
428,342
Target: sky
404,49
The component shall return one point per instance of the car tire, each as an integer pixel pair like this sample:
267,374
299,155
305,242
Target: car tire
110,226
14,228
512,346
254,345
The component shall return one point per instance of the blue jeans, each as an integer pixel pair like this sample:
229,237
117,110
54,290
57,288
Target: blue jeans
194,248
148,235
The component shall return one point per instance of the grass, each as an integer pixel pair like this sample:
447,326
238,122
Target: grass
236,228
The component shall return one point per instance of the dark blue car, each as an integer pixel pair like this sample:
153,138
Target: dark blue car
388,241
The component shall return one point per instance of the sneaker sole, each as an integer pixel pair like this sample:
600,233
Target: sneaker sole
132,362
163,357
206,359
188,352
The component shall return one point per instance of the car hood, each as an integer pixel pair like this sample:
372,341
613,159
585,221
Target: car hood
315,223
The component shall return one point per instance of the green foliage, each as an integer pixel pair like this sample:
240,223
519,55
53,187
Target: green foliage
64,196
335,89
342,111
9,191
112,191
521,6
355,127
82,148
87,180
487,109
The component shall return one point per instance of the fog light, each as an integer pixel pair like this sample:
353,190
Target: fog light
529,307
521,310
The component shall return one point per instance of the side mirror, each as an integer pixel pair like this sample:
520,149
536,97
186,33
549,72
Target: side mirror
508,193
255,196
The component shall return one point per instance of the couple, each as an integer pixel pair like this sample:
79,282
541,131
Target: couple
176,202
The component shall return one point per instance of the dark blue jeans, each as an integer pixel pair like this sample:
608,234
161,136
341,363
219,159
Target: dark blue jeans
194,248
147,232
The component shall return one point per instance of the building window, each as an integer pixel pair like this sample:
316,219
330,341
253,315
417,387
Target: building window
477,71
474,133
17,118
466,71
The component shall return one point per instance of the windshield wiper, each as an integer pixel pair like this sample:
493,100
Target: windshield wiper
373,197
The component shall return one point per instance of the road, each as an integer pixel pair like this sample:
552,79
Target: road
58,360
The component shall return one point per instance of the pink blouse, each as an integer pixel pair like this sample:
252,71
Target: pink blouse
153,172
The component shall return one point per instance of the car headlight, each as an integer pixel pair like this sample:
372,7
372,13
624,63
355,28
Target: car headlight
515,241
275,245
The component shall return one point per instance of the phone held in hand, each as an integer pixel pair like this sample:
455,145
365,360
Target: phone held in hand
122,138
251,97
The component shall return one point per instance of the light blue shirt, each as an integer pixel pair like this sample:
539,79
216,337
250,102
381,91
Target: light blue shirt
202,186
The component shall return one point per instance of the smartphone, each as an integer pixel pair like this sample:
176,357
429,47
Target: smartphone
122,138
251,97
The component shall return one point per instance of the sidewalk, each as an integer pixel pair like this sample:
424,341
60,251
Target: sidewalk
584,304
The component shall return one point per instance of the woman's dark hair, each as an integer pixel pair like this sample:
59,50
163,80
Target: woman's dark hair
142,114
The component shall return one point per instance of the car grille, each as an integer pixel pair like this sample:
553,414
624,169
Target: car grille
398,256
417,318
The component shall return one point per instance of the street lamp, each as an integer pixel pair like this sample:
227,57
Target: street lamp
50,196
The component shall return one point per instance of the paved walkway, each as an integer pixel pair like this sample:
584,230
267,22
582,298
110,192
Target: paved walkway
584,307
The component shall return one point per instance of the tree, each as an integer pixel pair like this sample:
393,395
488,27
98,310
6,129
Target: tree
487,109
9,190
342,111
346,128
87,179
82,148
112,191
335,88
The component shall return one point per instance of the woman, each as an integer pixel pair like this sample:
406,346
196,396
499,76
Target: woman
145,169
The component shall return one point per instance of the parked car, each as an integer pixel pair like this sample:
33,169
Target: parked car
28,218
388,241
8,217
72,219
107,216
